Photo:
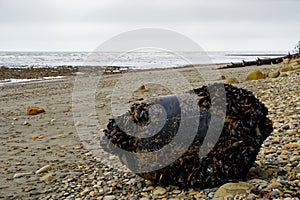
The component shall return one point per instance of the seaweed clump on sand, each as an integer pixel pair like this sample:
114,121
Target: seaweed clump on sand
244,128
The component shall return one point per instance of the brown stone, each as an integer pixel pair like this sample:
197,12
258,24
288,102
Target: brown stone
255,75
291,145
274,74
286,68
34,110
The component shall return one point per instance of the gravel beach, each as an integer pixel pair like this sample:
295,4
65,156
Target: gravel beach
44,157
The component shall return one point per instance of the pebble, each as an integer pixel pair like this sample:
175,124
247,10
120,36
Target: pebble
159,191
109,197
26,123
43,169
232,189
292,145
52,121
18,175
79,124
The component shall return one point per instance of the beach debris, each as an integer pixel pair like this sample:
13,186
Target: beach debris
19,175
43,169
241,188
274,74
141,88
231,81
255,75
34,110
245,128
259,62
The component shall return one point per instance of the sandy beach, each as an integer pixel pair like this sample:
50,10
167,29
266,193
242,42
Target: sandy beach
71,169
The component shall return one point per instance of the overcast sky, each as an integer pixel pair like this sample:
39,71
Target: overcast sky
82,25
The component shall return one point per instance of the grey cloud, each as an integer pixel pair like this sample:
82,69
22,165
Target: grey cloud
40,23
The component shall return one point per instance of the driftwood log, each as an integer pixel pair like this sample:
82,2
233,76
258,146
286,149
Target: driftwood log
257,62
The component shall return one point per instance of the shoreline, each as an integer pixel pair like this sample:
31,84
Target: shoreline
19,75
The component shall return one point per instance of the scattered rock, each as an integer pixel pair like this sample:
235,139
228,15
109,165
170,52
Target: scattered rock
101,105
34,110
255,75
241,188
231,81
26,123
294,62
221,77
274,74
286,68
292,145
142,88
43,169
52,121
259,183
79,124
110,197
18,175
37,137
159,191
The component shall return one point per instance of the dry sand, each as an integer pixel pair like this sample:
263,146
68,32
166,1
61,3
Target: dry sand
60,145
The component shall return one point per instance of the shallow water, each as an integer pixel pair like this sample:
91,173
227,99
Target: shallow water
145,59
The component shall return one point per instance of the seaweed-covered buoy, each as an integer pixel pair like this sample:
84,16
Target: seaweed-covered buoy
244,128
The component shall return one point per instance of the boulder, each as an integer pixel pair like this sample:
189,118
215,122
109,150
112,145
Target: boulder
238,128
295,62
286,68
231,81
34,110
274,74
255,75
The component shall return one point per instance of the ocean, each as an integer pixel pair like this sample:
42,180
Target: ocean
133,59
